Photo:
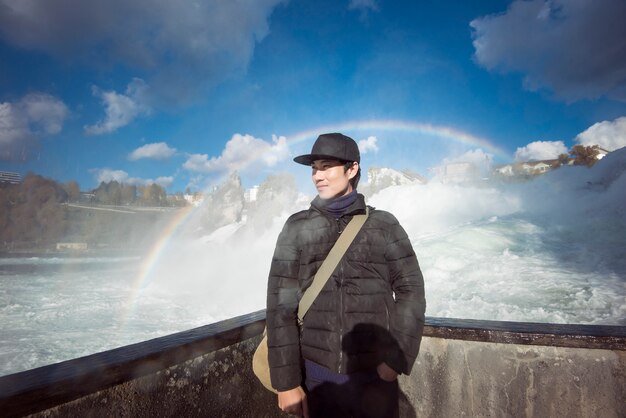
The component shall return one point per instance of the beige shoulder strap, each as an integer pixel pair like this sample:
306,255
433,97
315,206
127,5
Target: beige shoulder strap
330,263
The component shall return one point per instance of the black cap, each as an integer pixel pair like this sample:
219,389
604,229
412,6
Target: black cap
334,146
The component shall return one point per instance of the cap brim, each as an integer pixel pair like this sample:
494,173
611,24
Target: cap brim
307,159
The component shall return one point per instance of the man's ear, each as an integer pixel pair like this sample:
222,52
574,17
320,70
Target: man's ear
353,170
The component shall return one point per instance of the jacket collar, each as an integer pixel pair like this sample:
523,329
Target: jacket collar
356,208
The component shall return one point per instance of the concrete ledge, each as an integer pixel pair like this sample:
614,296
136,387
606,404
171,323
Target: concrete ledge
607,337
44,387
465,367
456,378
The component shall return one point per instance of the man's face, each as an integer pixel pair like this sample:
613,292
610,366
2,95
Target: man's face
330,178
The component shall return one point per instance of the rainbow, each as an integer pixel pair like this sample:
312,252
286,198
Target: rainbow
391,125
151,259
444,132
160,244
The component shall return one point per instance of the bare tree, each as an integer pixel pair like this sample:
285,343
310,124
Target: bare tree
585,155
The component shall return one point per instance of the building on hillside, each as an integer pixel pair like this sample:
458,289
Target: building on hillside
601,153
176,200
535,168
504,170
87,197
194,199
9,177
538,167
72,246
527,168
250,194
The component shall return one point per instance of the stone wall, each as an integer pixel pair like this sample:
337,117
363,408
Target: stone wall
455,378
218,384
465,368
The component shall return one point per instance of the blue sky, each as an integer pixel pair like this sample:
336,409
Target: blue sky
182,93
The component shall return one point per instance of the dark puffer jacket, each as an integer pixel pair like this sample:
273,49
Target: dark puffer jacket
371,309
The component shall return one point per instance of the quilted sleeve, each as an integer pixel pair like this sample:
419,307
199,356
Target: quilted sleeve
282,305
407,283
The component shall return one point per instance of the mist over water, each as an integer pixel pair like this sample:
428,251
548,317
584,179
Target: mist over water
547,250
550,250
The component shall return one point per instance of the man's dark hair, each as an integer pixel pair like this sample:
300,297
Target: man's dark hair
354,181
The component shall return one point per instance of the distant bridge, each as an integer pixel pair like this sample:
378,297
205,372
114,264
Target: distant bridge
124,209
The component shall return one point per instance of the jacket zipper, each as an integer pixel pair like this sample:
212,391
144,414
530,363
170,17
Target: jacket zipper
340,366
387,313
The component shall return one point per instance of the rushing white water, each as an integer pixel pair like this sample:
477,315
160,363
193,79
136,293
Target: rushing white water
551,250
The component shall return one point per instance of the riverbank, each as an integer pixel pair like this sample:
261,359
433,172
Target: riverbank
48,252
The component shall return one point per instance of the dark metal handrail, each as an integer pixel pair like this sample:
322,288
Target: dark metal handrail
608,337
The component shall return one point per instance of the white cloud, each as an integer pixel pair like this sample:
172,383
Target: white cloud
610,135
479,158
106,175
24,121
369,144
195,183
363,5
275,153
163,181
541,150
13,124
240,152
179,47
120,109
574,48
45,111
155,151
197,162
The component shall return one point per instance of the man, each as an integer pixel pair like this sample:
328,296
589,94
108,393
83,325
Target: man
366,325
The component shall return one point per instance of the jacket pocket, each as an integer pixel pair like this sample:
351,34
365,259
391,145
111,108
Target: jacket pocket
364,286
